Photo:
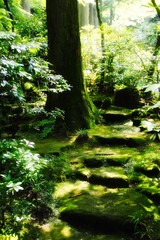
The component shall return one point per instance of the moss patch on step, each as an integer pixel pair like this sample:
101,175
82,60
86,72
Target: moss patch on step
113,177
86,205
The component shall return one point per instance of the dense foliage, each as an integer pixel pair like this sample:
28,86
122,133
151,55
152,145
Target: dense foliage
124,53
25,79
26,184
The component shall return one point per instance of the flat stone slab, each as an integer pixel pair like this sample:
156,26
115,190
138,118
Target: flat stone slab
123,141
115,117
115,114
112,177
98,161
108,210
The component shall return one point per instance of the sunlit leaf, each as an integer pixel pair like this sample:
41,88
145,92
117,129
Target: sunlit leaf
147,125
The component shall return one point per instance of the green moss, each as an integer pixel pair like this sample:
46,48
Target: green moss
112,209
8,237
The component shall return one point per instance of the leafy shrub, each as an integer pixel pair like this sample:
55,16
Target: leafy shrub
20,173
24,75
126,61
23,178
47,124
152,128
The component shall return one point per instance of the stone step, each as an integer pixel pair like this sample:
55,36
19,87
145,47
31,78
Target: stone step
111,177
106,210
116,114
115,117
60,230
95,161
119,140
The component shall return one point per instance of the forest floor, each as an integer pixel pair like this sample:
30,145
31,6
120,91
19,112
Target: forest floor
114,192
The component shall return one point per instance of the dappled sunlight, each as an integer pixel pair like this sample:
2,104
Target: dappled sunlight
8,237
58,230
92,108
110,172
111,151
66,232
124,130
50,145
66,188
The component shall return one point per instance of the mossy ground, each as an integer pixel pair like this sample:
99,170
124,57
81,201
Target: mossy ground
88,199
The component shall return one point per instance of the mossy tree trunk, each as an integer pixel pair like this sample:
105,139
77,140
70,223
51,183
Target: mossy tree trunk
65,55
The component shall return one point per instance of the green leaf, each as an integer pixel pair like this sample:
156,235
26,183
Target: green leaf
153,88
14,187
148,125
28,86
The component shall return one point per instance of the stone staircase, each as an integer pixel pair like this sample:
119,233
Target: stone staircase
102,200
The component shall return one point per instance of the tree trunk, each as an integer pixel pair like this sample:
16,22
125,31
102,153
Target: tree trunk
65,55
111,17
26,5
103,58
153,63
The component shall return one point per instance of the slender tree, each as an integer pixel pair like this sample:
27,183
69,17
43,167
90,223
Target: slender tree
65,55
26,5
103,58
153,63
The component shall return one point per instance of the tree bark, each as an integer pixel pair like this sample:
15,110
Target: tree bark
65,55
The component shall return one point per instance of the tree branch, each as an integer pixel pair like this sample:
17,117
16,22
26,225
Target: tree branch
156,7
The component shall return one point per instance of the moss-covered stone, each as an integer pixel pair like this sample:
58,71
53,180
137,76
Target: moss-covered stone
150,171
150,187
107,210
117,140
115,117
112,177
118,160
106,160
94,161
127,97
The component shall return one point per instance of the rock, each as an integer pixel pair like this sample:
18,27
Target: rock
103,103
82,138
106,210
115,117
117,160
112,177
151,172
124,141
94,162
127,97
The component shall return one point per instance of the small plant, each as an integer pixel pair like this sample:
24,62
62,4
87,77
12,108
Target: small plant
47,124
152,129
82,136
142,228
21,184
